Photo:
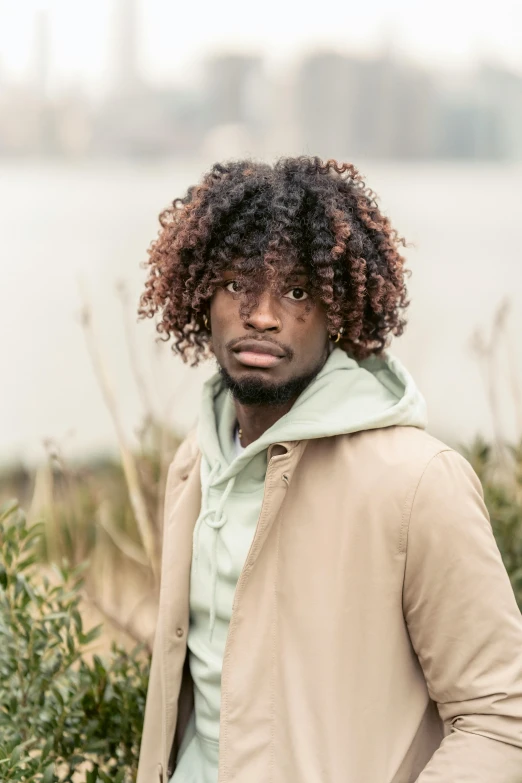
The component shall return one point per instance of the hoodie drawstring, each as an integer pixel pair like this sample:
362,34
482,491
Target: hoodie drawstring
214,519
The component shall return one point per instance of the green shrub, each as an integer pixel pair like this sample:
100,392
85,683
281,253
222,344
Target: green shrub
65,715
500,472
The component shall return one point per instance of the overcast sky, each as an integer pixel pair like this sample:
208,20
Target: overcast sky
176,33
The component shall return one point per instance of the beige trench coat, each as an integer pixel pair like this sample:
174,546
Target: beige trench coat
375,637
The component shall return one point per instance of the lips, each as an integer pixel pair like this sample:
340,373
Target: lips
252,353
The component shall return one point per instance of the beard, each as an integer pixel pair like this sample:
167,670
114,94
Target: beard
256,391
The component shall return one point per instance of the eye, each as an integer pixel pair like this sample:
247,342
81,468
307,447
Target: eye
297,294
232,286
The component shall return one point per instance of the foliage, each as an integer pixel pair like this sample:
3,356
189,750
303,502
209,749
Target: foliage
65,715
500,472
67,495
86,512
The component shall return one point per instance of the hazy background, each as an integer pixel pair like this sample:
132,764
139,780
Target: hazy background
109,109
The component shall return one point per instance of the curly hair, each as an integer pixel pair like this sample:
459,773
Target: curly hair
265,220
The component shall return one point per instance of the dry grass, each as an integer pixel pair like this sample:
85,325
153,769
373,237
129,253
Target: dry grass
108,511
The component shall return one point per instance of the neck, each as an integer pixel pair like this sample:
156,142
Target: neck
254,420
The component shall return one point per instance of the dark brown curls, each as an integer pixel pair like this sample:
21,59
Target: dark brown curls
266,219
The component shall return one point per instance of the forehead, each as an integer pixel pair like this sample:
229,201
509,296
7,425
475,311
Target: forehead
258,268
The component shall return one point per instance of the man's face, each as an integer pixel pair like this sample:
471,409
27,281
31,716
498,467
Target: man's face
270,355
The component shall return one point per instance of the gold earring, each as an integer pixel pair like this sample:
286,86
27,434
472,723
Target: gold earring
205,321
339,335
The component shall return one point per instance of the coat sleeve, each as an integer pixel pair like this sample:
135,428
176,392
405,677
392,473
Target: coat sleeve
465,627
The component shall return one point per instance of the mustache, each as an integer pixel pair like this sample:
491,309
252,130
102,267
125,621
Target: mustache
233,344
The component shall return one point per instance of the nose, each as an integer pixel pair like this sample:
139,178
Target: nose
264,318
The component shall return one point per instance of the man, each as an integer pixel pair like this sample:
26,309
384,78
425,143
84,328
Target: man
334,608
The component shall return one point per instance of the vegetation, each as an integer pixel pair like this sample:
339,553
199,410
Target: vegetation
64,712
501,477
108,510
498,462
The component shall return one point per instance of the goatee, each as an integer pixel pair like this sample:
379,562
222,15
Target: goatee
256,391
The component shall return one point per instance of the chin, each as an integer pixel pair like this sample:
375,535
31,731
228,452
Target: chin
256,387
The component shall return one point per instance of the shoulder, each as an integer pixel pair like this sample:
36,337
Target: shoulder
399,444
439,495
448,484
421,463
442,497
408,466
404,451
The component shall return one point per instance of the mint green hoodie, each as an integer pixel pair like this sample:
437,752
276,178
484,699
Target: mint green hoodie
346,396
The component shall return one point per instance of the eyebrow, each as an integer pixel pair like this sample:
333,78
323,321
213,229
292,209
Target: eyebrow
296,272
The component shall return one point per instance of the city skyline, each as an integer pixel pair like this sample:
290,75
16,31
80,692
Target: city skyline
332,101
173,39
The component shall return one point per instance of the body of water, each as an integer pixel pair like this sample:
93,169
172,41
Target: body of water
63,227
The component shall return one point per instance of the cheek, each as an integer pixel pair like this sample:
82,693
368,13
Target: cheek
224,318
309,336
313,320
221,308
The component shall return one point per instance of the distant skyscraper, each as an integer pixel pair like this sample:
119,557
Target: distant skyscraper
500,90
41,53
349,107
232,84
127,72
324,98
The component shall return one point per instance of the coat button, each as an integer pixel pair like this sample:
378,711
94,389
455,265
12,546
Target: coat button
179,632
184,477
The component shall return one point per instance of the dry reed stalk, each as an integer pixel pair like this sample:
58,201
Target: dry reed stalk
124,627
55,456
164,452
123,294
42,508
122,541
145,526
487,353
106,597
514,375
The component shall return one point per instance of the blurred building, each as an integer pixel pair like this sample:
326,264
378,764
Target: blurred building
402,103
23,122
41,54
127,76
469,130
324,104
136,118
352,107
481,115
501,91
332,104
26,119
73,123
234,103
